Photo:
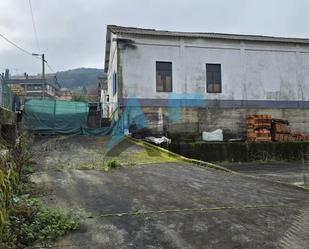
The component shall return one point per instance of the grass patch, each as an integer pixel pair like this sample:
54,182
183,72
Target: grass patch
146,156
113,164
29,222
24,220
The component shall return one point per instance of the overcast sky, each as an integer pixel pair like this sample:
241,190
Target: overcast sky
72,32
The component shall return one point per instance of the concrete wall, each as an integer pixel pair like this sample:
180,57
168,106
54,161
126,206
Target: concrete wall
113,68
257,78
250,71
231,120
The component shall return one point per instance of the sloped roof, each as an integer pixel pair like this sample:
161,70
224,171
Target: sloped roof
153,32
139,31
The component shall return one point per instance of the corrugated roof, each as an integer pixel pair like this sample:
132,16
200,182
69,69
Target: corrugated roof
153,32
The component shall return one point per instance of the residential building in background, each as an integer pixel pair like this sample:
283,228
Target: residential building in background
103,96
209,80
34,86
64,94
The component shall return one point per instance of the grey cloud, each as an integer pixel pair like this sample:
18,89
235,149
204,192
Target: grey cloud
72,32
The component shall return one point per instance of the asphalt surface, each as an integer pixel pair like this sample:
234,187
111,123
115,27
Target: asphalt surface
287,172
172,205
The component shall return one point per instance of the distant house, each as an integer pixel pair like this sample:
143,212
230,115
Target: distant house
34,86
209,80
65,94
103,96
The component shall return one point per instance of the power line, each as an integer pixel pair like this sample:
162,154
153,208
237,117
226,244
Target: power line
25,51
50,68
15,45
34,27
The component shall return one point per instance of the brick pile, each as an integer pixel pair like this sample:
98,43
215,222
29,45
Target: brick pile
262,128
259,128
281,131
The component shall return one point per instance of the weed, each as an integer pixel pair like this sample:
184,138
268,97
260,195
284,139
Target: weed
24,220
113,164
20,154
30,222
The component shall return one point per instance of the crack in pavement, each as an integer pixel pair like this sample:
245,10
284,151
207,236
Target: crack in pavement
190,210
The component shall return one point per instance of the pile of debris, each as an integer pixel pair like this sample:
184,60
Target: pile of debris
262,128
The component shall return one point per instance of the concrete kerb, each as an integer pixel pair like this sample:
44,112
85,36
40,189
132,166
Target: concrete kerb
210,165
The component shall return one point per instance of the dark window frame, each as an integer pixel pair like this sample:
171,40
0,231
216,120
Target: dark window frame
114,81
213,78
165,85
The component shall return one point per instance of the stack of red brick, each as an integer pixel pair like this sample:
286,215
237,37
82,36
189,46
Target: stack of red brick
259,128
262,128
281,131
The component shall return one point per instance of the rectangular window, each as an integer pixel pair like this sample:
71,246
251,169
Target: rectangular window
34,87
114,83
213,78
164,76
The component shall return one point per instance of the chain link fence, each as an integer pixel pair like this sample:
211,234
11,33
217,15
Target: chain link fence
7,97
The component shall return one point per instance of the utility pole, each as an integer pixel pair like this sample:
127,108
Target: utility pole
43,73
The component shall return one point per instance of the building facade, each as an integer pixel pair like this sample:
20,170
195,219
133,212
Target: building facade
64,94
204,81
34,86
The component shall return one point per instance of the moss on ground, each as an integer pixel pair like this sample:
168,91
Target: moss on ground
147,157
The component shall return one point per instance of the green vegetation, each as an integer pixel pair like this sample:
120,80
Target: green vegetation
242,151
78,78
30,222
24,220
101,165
113,164
146,156
19,154
80,98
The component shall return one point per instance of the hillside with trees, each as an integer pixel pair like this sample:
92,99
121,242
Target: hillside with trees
79,79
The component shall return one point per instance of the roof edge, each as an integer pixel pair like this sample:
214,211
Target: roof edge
209,35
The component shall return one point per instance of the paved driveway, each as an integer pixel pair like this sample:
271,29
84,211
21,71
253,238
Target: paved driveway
287,172
178,205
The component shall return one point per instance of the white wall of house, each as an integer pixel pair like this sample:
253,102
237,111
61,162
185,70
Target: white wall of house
250,70
112,68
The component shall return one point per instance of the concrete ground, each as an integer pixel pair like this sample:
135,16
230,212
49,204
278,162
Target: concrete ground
170,204
287,172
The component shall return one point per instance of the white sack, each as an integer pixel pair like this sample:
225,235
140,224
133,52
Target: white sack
159,140
216,135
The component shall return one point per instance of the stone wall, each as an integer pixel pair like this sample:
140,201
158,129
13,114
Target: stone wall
8,128
231,120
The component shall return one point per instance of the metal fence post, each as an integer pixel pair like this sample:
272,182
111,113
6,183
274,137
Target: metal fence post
1,92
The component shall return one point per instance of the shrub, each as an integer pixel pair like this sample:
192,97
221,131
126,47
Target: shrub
113,164
8,185
30,222
20,154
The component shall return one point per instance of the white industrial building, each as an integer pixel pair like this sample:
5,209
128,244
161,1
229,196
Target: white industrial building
235,75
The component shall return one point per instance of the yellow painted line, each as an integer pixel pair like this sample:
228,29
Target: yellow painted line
190,210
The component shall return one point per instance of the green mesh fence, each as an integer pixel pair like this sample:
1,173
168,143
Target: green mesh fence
7,98
50,117
55,116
